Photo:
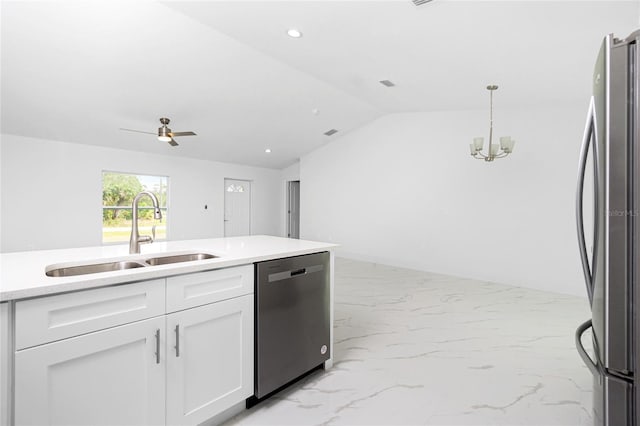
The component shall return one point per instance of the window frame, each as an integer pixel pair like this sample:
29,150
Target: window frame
164,209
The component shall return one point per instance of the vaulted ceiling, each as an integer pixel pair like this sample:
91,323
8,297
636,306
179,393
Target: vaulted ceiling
78,71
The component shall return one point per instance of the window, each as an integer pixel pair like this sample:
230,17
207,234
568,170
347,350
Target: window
118,191
235,188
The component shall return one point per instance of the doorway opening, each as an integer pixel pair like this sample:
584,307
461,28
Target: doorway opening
293,209
237,207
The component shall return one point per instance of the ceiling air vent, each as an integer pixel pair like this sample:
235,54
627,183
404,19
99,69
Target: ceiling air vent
387,83
419,2
331,132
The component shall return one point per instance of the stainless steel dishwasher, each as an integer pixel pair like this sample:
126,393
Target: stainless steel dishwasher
292,319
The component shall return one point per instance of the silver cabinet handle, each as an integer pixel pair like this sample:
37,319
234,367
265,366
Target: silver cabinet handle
158,346
177,346
584,152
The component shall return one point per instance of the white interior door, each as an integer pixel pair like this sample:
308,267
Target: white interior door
237,207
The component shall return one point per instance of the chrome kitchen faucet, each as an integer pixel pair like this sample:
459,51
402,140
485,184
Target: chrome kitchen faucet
136,239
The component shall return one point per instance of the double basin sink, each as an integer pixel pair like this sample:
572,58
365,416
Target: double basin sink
93,268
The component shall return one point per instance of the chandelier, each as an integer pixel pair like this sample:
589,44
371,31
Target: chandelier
495,151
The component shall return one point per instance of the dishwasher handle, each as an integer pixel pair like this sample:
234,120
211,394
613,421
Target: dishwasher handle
292,273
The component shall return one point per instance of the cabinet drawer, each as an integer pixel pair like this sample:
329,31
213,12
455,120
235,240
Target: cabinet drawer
188,291
47,319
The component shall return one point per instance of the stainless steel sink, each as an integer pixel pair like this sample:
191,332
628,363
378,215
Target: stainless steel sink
93,268
165,260
119,265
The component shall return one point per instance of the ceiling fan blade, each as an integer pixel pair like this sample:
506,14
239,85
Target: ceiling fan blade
138,131
173,143
173,134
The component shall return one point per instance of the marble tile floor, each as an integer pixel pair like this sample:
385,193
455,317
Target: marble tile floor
415,348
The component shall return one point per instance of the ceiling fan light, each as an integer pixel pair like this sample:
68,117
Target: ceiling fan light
164,138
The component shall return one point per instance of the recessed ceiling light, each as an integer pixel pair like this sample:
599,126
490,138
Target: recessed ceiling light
292,32
268,150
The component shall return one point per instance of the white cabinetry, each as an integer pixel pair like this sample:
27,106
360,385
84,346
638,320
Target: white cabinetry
5,366
188,291
209,359
110,377
175,351
46,319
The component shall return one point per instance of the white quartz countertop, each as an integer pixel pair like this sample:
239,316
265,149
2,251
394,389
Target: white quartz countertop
22,274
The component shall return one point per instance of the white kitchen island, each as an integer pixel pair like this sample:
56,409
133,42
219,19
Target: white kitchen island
167,344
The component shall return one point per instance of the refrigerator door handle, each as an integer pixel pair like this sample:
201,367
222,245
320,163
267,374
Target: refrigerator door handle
593,367
584,152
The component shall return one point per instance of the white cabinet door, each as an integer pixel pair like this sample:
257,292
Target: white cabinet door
5,367
211,367
110,377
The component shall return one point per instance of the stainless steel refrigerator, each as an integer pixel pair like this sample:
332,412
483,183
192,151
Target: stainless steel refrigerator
610,261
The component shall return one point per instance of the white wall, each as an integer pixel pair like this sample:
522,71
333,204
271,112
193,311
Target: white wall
52,193
404,190
292,172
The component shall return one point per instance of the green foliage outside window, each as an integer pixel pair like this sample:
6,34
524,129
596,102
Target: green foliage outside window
118,192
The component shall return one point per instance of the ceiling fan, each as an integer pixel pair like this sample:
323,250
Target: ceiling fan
164,133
